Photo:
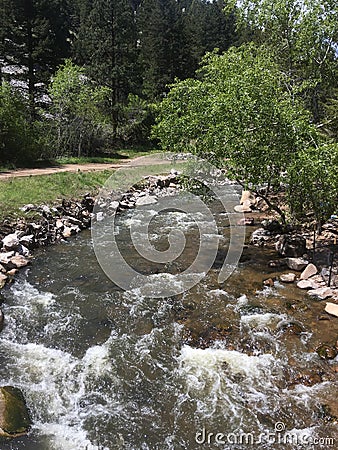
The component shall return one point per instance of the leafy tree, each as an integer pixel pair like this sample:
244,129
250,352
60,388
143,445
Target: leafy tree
18,141
313,183
238,114
302,35
77,106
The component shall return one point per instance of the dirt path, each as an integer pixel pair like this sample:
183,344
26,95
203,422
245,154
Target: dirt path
90,167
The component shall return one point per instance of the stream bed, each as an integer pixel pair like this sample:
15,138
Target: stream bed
230,366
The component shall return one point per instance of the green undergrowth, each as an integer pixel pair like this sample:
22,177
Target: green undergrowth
47,189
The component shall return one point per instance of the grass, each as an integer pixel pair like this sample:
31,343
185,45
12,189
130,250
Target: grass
120,155
46,189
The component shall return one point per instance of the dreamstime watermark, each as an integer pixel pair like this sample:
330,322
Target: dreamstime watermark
106,236
278,436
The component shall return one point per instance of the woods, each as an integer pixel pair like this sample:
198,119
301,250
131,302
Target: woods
249,82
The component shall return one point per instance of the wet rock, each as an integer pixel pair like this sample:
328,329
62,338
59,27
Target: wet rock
306,377
331,308
5,258
14,416
291,245
292,328
2,269
27,241
308,272
321,293
12,272
3,279
11,241
287,277
296,264
326,351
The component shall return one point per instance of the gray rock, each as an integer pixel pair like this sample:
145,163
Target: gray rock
5,257
291,245
287,277
146,200
308,272
242,209
14,415
11,241
27,240
321,293
307,284
3,279
297,264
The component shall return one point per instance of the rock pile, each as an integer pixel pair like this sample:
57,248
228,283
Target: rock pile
51,225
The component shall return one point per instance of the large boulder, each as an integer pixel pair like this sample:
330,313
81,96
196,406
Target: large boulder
291,245
14,416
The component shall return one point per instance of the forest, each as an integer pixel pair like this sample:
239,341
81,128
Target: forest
252,82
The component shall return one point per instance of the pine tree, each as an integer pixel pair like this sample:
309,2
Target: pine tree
106,45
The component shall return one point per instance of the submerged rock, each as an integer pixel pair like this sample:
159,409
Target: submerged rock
14,416
325,351
321,293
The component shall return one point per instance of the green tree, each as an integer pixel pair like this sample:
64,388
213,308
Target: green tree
240,115
106,46
34,39
77,106
18,141
302,35
313,184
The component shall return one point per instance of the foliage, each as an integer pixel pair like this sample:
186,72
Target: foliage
136,119
17,134
78,110
302,35
313,183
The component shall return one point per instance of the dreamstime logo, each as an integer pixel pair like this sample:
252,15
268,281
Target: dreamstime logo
106,234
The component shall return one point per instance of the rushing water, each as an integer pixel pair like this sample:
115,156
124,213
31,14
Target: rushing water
106,369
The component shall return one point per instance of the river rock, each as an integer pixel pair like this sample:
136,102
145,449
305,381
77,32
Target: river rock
307,284
291,245
2,269
19,261
297,264
5,258
14,416
331,308
11,241
321,293
246,221
325,351
3,279
242,208
287,277
27,241
248,197
308,272
277,263
259,237
146,200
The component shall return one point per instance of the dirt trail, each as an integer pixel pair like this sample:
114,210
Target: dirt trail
90,167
